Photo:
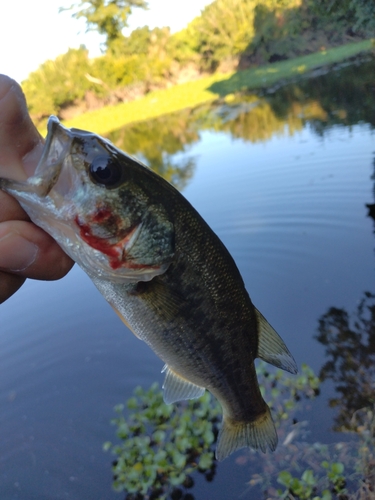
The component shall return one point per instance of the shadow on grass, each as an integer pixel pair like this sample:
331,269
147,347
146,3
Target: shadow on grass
280,72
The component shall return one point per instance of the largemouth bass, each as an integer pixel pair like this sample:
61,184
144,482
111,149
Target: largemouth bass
163,270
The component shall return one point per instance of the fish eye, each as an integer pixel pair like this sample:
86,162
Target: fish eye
104,171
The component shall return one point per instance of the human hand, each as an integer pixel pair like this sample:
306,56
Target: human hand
26,251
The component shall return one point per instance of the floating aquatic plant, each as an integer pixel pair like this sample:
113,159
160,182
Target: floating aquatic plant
161,445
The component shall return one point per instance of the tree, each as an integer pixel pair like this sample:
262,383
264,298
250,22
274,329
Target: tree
58,83
107,17
358,15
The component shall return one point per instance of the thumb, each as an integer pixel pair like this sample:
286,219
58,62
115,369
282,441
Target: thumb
27,251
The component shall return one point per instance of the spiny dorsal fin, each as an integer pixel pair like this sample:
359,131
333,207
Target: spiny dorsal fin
177,388
271,347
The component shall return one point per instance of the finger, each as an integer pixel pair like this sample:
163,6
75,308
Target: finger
20,143
9,284
27,251
10,209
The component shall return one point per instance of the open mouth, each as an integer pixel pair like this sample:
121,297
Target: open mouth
49,169
54,198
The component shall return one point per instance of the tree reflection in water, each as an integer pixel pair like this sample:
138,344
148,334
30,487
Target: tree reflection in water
350,349
341,96
344,96
157,142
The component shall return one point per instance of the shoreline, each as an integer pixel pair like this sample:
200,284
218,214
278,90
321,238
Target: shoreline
217,86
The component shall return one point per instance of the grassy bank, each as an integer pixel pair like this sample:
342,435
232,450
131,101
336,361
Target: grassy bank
207,89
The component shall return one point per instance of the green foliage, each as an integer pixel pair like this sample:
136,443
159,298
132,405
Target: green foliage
204,90
257,31
228,32
108,17
228,28
282,30
117,72
58,83
358,16
283,392
316,471
309,486
223,30
303,489
344,470
138,60
162,445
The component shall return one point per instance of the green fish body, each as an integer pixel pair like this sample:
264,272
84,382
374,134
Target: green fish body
163,270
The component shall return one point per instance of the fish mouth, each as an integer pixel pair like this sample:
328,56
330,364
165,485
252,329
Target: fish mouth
49,171
52,196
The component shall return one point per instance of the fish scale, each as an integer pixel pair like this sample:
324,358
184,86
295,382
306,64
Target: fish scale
163,270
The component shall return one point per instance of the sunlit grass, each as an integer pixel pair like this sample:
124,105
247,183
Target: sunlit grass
191,94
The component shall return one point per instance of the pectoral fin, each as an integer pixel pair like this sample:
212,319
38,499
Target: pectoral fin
177,388
271,347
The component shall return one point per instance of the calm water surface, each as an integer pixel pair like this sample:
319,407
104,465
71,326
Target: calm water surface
283,179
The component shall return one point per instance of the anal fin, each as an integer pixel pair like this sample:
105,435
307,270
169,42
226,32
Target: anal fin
177,388
271,347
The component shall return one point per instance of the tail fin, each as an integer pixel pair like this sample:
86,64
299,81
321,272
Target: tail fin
259,433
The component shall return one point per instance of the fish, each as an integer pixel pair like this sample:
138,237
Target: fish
164,272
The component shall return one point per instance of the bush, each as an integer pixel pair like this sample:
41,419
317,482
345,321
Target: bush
58,83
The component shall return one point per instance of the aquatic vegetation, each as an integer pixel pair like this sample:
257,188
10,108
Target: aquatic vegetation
306,487
161,446
300,470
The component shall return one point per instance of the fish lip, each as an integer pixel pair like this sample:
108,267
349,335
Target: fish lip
56,147
52,126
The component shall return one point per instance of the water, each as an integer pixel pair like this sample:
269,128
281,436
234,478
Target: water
283,179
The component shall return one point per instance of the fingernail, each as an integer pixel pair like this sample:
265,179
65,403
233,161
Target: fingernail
16,253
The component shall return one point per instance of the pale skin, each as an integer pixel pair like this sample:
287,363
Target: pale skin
26,251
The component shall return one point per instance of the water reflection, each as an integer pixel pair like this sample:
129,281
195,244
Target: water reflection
290,210
350,348
157,142
344,96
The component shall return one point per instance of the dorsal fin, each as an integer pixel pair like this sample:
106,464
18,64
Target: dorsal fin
177,388
271,347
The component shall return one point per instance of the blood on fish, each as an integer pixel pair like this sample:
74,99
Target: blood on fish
102,214
115,251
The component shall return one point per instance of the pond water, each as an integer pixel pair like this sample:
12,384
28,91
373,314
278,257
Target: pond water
283,178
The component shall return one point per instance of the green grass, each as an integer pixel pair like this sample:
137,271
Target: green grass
191,94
